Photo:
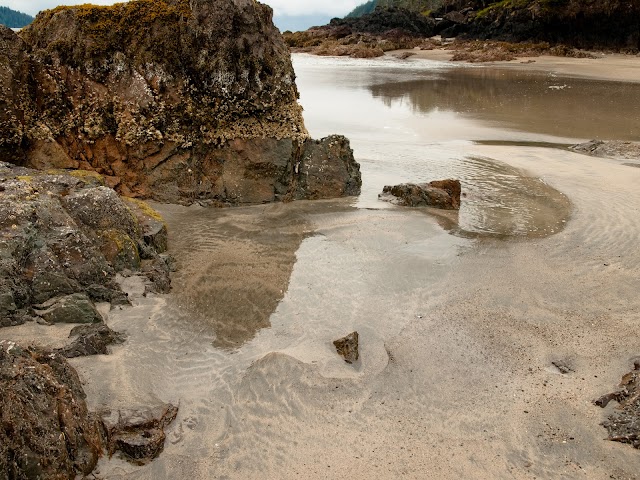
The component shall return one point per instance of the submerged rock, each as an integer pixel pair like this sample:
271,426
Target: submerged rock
138,433
348,347
91,340
623,424
176,100
45,428
443,194
610,149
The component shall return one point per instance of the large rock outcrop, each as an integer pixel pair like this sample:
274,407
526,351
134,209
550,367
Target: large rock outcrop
177,100
63,237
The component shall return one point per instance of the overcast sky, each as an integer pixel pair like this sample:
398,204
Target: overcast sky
281,7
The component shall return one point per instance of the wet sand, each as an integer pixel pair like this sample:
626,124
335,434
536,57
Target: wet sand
460,316
606,66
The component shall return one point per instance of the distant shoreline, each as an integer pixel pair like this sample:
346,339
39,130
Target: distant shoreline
606,66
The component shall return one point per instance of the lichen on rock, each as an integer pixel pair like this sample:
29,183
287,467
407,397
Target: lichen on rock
63,236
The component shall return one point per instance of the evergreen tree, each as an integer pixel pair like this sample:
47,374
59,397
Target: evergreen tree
13,19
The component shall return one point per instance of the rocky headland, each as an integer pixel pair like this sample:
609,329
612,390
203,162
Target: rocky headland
173,100
480,31
368,36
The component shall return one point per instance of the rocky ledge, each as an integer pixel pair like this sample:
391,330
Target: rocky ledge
444,194
175,100
63,238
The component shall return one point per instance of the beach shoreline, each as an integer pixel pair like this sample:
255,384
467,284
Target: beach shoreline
615,67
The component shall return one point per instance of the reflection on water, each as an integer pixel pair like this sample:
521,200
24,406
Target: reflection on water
526,101
233,264
417,121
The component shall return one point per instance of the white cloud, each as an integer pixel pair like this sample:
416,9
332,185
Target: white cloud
280,7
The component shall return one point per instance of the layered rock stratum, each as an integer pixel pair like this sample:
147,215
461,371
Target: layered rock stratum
176,100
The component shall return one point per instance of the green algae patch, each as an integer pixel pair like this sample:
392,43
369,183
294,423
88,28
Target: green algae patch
145,208
119,249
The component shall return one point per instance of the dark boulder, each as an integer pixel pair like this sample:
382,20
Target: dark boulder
46,431
444,194
327,169
138,433
75,308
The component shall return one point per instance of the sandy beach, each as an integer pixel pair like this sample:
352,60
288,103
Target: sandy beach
605,66
463,318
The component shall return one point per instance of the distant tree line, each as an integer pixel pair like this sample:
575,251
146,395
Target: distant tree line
13,19
414,5
363,9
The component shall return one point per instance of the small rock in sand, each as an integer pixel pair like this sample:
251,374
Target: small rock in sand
348,347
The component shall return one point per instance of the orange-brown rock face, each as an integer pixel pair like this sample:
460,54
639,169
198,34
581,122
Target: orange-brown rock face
177,100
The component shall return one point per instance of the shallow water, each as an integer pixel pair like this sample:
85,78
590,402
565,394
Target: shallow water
459,314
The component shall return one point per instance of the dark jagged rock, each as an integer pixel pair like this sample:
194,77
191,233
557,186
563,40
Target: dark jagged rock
443,194
158,271
138,433
348,347
624,424
46,431
63,236
175,100
91,340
